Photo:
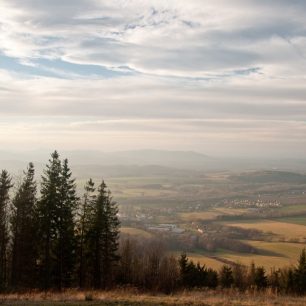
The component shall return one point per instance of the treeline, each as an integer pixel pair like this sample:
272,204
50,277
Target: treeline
147,265
57,240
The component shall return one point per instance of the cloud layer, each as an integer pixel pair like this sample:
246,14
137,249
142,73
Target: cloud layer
218,77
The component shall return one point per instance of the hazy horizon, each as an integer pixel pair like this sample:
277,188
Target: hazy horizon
219,78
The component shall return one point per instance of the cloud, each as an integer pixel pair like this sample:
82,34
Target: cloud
217,71
173,38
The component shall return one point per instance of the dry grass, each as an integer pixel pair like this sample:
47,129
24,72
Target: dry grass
199,216
211,214
135,298
286,230
260,260
202,259
287,250
136,232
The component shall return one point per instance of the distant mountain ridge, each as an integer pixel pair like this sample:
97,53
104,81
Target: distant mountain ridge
175,159
185,160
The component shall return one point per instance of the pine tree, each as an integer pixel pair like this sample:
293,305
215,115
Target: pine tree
240,275
103,237
83,224
65,212
226,277
48,209
261,280
24,232
57,225
251,275
183,265
300,273
5,185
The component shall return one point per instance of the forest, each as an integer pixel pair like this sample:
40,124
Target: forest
52,238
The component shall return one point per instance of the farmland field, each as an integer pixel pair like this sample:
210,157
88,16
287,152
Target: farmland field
212,214
136,232
294,220
271,254
217,210
282,229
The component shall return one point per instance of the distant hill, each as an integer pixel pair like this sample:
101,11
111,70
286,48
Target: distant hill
174,159
130,171
186,160
270,176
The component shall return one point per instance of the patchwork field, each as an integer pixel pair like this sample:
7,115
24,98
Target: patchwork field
194,201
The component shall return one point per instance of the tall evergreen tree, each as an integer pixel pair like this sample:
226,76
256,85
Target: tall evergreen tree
300,273
103,237
66,242
83,226
24,232
48,210
57,225
5,185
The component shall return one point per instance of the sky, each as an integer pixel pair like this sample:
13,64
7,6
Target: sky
225,78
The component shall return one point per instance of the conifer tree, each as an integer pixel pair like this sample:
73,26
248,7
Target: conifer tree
300,273
83,227
5,185
111,237
48,210
24,232
261,280
103,237
226,277
66,243
57,225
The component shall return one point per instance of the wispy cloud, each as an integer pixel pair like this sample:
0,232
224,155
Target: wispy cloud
217,71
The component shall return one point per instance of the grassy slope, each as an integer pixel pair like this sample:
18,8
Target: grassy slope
136,232
286,230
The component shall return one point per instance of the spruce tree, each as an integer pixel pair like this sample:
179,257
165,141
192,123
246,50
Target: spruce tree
48,210
226,277
5,185
83,226
24,232
300,273
66,242
57,225
261,280
103,237
111,237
